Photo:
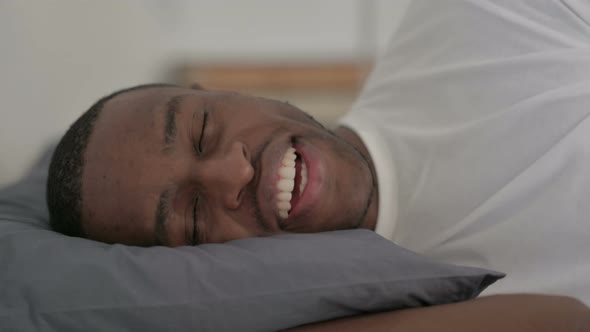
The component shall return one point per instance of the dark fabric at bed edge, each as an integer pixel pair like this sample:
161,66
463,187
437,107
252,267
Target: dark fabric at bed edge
51,282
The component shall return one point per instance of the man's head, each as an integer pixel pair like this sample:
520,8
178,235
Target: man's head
166,165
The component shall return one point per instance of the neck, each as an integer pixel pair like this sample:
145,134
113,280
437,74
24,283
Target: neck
352,138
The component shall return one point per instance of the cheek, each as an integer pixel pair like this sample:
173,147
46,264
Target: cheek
222,228
265,117
255,132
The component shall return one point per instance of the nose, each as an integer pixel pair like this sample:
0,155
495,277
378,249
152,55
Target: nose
226,176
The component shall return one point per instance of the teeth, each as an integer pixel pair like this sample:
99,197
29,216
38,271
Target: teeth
287,172
288,163
284,196
290,154
287,182
282,205
286,185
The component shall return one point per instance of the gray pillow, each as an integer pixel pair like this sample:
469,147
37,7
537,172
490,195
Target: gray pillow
51,282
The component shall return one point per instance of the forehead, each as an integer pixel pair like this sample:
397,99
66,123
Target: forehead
135,105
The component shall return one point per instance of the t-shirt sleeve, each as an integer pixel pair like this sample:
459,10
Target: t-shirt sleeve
447,32
452,61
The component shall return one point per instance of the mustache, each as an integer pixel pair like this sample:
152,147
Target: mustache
251,190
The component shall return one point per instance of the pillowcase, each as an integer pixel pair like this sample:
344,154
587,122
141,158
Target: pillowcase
58,283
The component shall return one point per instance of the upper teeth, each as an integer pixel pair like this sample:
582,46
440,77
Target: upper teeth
287,182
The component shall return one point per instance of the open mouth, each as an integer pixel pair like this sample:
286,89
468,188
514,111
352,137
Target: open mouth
292,181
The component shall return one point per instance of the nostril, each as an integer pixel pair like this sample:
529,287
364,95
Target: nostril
240,195
245,152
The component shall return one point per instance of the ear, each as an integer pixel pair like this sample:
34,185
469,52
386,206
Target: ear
197,86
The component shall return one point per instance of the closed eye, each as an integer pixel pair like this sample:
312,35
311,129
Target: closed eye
205,120
199,146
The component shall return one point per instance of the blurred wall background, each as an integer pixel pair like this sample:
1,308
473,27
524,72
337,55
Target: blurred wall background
59,56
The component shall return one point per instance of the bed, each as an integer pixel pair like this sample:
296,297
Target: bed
51,282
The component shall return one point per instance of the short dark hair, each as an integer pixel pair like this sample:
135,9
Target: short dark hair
64,197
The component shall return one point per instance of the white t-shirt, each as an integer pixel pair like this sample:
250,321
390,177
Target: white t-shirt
476,117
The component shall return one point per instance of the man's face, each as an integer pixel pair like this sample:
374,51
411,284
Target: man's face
173,166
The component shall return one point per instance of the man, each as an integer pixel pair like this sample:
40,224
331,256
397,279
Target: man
469,144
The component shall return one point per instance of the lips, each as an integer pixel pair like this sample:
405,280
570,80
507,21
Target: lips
292,180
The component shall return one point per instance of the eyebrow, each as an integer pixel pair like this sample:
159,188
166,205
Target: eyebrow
163,207
172,108
162,211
